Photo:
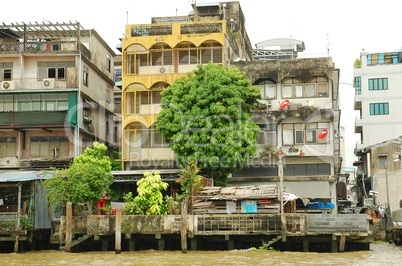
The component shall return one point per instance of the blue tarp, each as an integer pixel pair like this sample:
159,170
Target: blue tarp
320,205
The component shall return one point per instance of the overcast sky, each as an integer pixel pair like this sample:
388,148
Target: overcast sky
340,28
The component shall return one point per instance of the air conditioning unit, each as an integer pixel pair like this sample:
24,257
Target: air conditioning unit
48,83
134,155
164,70
8,85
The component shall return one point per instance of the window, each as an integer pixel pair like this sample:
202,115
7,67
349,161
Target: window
6,70
152,138
51,146
6,103
188,54
8,146
382,161
310,90
268,134
378,84
307,169
315,87
381,58
117,75
384,58
396,57
267,89
85,75
322,90
161,57
210,52
55,102
372,59
108,62
287,91
304,133
45,102
56,70
379,109
358,86
115,133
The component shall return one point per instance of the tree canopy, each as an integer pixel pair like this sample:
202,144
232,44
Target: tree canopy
149,200
85,181
206,118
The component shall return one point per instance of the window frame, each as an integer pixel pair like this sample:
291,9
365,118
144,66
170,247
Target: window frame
375,108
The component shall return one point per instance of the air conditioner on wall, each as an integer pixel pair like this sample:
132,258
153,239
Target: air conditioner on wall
164,70
8,85
48,83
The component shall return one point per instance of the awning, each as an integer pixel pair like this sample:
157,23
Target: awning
207,4
22,175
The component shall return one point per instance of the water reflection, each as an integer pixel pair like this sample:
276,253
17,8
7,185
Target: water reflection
380,254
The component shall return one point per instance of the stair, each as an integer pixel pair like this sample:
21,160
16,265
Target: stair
272,241
78,241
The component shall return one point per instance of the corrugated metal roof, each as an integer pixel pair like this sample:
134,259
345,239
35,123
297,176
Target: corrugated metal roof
207,4
21,175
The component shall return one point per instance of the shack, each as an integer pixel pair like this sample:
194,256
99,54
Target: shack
25,221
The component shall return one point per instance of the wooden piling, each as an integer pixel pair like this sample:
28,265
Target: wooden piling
183,231
16,243
342,243
69,225
118,232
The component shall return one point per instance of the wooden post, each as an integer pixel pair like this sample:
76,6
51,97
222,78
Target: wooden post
342,243
16,243
131,244
61,229
193,244
69,225
334,244
183,231
305,245
118,233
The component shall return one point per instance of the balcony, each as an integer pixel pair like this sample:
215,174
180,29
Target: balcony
33,119
358,125
143,30
357,103
44,47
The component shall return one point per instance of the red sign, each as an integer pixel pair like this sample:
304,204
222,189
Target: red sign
284,104
323,133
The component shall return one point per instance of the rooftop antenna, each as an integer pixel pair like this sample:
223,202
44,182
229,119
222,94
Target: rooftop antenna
127,17
327,44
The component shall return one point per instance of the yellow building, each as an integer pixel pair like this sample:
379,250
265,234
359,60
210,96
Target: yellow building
156,54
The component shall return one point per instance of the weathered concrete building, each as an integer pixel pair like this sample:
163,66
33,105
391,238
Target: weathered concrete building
56,93
300,113
56,99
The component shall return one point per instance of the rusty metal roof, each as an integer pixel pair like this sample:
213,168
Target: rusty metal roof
21,175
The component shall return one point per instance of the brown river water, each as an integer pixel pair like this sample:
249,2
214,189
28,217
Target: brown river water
379,254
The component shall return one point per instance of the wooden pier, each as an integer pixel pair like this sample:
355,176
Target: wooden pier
299,232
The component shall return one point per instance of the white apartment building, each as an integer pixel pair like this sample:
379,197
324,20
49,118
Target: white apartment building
377,81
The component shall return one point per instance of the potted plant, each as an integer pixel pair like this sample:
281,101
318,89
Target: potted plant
272,151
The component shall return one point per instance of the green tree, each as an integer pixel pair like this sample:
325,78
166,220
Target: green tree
190,181
206,118
85,181
149,200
